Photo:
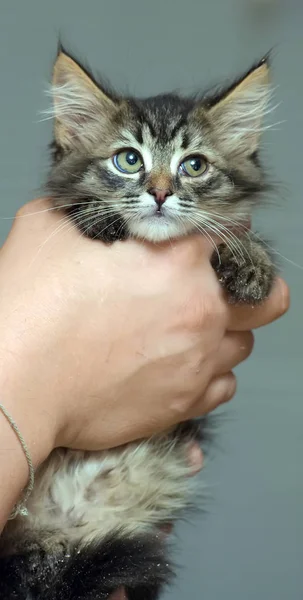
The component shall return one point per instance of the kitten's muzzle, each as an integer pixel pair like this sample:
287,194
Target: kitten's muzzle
160,195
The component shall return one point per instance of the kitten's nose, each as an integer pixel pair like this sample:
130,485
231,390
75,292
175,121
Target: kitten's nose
160,195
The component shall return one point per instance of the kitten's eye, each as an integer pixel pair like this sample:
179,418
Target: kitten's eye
193,166
128,161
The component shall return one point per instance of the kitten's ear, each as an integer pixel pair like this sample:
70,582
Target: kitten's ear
79,105
237,115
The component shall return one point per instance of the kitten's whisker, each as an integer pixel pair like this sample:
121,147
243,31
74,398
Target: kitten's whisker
214,228
97,222
231,241
274,250
247,232
75,221
62,225
44,210
125,221
67,220
181,221
204,231
91,219
206,234
234,240
227,221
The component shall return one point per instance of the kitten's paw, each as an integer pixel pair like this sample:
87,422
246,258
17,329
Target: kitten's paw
247,279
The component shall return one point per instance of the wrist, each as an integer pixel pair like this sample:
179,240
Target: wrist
23,389
34,421
18,460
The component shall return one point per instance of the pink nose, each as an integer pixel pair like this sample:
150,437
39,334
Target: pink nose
160,195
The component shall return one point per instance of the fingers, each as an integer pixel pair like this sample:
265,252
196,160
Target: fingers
236,346
242,318
220,390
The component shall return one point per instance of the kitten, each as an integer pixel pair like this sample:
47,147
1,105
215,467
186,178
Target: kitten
154,169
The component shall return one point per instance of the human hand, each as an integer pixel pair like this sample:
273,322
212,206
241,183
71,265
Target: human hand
101,345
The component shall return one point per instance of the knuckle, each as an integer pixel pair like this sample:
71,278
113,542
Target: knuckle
194,365
231,386
20,213
25,209
285,298
180,408
220,390
203,310
198,365
182,404
187,251
224,389
217,310
248,342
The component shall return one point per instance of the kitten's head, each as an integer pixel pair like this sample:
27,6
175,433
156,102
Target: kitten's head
159,167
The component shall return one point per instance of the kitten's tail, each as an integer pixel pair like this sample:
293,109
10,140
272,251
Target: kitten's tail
90,573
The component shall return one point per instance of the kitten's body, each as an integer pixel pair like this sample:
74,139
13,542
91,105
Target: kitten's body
94,522
95,519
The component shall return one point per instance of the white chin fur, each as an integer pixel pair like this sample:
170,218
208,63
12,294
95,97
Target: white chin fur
154,229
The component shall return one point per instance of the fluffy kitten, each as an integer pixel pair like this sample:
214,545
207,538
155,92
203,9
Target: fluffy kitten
155,169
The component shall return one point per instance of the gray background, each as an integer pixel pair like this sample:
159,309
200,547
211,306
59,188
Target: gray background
250,544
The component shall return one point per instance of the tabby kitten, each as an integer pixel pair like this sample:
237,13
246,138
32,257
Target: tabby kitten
154,169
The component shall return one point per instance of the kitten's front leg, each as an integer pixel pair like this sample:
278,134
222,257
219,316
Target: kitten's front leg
246,273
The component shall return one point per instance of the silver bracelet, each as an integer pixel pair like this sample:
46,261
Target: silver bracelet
20,508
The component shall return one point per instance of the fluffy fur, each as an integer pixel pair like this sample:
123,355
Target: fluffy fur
94,519
95,522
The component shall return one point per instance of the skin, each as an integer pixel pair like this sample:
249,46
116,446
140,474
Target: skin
86,327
